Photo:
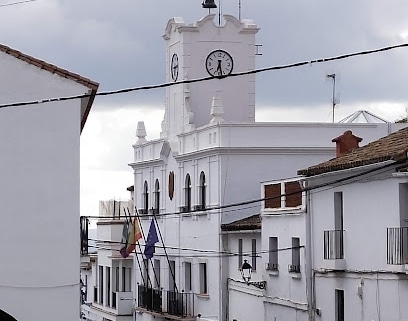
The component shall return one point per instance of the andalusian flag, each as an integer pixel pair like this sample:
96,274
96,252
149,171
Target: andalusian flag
130,235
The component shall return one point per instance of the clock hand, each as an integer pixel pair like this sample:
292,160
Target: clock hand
219,68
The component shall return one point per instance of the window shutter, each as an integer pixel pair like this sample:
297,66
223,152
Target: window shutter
293,192
272,196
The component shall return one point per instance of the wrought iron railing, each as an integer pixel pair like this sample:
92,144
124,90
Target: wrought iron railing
174,303
84,222
149,298
333,245
180,304
397,245
294,268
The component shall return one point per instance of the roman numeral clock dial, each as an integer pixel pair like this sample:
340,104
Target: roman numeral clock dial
219,63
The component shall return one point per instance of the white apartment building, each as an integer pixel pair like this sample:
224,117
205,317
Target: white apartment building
358,230
39,187
108,277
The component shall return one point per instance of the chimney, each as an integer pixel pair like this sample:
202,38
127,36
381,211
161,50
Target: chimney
346,143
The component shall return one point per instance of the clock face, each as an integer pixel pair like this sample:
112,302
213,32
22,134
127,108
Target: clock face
219,63
174,67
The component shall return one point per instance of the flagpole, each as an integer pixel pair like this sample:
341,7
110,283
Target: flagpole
144,263
165,252
140,248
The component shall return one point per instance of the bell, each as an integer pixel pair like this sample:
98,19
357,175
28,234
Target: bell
209,4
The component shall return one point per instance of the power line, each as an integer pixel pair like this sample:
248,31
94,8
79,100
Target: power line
189,81
248,202
16,3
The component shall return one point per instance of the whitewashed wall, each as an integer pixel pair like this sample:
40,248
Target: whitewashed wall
39,188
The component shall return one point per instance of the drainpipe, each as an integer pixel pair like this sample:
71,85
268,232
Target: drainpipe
309,257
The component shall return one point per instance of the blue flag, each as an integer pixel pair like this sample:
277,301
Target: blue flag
151,240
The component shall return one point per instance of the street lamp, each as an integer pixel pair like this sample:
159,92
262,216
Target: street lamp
246,272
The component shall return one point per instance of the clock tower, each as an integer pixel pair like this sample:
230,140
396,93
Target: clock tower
206,49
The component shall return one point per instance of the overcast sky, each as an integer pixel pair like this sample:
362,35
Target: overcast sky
119,45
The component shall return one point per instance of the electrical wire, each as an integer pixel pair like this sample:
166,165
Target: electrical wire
189,81
332,183
208,252
16,3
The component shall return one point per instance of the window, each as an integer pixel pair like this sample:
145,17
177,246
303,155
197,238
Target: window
295,266
272,195
339,308
172,275
145,198
253,256
338,211
203,278
156,197
202,193
187,276
146,276
293,194
239,254
100,301
108,286
126,279
117,279
273,254
187,194
156,273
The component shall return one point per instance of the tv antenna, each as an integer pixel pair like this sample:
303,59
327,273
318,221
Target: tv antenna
334,100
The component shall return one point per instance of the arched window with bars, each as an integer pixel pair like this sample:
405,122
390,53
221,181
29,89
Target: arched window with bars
156,208
145,198
187,195
202,193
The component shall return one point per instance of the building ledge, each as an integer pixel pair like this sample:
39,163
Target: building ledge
165,315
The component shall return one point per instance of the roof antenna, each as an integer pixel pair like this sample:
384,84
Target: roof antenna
334,101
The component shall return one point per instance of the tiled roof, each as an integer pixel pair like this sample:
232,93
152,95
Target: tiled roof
391,147
248,223
92,85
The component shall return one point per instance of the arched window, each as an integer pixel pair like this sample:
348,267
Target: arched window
187,194
156,197
145,198
201,192
6,317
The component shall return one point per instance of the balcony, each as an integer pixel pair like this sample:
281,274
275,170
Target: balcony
272,267
200,207
120,303
170,304
185,209
333,245
334,249
294,268
397,245
84,222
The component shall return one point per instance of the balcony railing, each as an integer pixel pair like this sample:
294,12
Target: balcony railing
149,299
294,268
397,245
333,245
272,266
170,303
84,222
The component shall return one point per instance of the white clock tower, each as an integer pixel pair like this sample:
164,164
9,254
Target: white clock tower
206,49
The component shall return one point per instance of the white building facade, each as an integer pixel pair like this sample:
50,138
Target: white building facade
358,232
212,154
39,188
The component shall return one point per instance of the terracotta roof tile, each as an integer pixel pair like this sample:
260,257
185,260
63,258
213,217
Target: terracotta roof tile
92,85
391,147
248,223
